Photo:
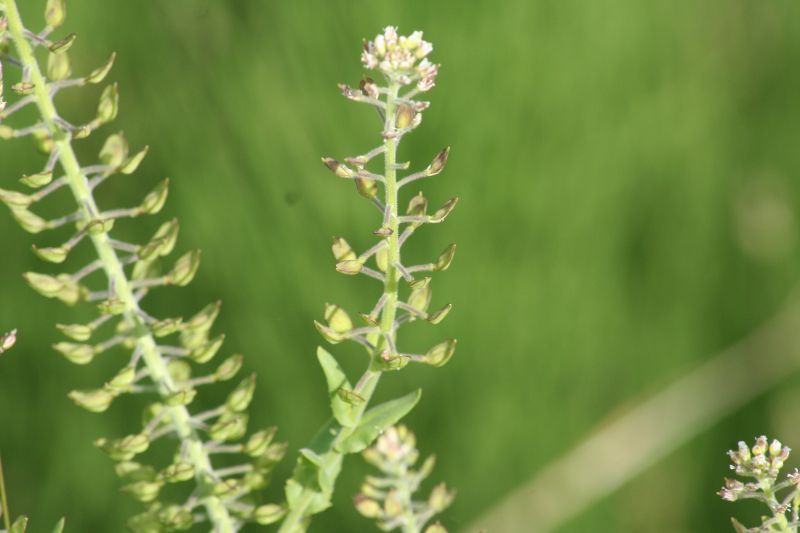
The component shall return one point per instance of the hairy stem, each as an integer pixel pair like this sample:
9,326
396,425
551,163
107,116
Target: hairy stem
365,387
78,184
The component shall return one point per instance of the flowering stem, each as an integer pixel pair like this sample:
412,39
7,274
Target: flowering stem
78,184
365,387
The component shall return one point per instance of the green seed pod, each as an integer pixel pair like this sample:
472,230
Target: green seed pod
404,116
144,491
14,199
95,401
122,381
382,259
226,488
58,67
420,298
112,306
440,498
230,426
175,518
177,472
342,171
436,528
115,150
417,206
62,45
444,260
337,318
268,514
239,399
440,354
167,326
438,163
185,269
205,318
30,222
179,370
351,268
100,73
126,448
438,316
180,397
366,188
229,368
55,12
19,525
329,334
23,88
52,255
443,211
342,250
44,284
133,162
109,104
80,354
367,507
259,441
155,199
35,181
208,350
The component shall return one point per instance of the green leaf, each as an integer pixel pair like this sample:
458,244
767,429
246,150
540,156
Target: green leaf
344,412
378,419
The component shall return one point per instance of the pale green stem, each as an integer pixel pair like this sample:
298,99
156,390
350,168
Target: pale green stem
4,499
365,387
191,442
408,518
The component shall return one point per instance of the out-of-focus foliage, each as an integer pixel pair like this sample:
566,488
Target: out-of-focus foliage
630,187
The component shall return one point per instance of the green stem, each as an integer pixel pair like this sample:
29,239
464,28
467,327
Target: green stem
365,387
217,512
408,518
3,499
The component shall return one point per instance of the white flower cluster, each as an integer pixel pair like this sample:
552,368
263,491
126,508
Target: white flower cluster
401,58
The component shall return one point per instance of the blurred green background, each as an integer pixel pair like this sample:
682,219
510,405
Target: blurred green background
628,174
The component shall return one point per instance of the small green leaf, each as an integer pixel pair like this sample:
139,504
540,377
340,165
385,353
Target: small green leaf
343,411
378,419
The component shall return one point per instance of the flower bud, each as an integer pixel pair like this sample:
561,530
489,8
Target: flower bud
366,188
760,446
420,298
436,528
417,206
175,518
393,505
52,255
179,370
239,399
